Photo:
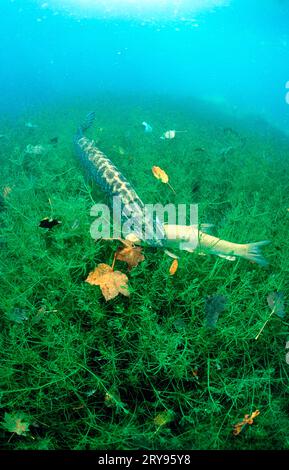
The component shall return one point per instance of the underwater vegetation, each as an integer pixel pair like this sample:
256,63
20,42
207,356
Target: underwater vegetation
191,354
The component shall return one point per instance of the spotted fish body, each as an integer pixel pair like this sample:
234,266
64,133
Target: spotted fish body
101,169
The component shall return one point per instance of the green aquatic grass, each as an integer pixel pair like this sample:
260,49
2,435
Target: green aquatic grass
87,374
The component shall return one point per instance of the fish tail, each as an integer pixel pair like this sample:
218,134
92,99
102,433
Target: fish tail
86,124
254,253
88,121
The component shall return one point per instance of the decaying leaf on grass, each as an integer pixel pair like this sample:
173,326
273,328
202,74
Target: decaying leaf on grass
15,423
276,301
17,315
130,254
6,191
161,175
214,306
247,421
163,418
110,282
174,267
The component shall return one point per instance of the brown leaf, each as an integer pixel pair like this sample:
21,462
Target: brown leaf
247,421
110,282
174,266
132,255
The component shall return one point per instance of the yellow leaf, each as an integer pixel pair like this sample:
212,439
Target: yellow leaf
174,267
6,191
163,418
160,174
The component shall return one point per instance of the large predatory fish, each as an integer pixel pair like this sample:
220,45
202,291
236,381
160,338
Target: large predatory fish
186,238
104,173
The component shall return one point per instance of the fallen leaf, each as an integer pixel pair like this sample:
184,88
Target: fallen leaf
195,374
174,266
6,191
110,282
132,255
247,421
163,418
161,175
215,304
15,423
276,301
108,399
17,315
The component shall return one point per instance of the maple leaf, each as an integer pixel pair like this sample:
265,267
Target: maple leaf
110,282
14,423
132,255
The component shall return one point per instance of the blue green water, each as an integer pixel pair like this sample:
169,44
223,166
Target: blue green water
233,53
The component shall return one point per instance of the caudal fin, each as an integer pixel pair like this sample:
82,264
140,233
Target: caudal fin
255,254
88,121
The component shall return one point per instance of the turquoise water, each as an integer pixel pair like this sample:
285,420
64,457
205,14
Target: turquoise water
234,53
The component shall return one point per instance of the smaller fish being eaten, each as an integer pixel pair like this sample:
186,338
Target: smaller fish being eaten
190,238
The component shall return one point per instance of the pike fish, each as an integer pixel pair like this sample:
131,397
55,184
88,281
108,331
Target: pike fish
103,172
185,238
